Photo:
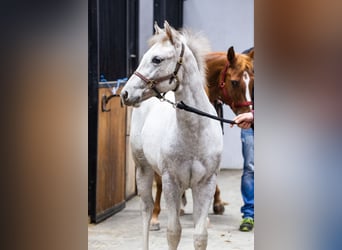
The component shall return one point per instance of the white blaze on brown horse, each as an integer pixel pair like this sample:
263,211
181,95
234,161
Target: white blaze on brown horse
230,80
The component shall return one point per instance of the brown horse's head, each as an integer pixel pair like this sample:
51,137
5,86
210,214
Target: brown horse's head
230,78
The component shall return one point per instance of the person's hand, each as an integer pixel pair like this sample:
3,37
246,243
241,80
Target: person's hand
244,120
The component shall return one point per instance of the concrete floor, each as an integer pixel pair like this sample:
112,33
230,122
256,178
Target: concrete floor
123,230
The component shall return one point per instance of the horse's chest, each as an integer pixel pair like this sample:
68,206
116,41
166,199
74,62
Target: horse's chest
187,171
184,149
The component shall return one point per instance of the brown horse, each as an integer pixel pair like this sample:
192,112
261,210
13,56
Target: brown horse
226,83
226,79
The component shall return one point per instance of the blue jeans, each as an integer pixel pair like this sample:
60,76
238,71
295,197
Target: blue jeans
247,179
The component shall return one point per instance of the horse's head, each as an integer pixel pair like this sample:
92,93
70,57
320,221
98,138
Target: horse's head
238,80
159,70
231,79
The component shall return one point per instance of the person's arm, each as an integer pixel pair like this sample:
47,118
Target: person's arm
244,120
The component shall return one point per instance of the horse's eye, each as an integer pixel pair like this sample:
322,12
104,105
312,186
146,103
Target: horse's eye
157,60
235,83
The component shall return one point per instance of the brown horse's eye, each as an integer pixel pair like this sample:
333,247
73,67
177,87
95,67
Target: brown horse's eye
157,60
235,83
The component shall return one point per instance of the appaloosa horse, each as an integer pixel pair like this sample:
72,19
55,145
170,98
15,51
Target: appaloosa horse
229,80
183,148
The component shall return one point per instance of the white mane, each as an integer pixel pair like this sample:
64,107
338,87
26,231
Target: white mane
197,43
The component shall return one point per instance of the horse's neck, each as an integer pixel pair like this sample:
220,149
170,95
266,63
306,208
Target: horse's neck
215,68
213,89
193,94
192,91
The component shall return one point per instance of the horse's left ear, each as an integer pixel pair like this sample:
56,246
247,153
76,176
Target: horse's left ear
156,28
169,32
231,55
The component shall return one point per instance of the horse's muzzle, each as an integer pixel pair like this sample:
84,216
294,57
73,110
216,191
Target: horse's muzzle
124,98
124,95
129,101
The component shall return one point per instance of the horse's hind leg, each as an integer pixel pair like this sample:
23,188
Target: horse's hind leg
172,194
202,196
144,184
155,225
183,204
218,205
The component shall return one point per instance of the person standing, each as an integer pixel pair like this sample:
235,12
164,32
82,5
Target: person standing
246,122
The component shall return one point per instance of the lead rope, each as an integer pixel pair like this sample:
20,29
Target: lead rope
182,105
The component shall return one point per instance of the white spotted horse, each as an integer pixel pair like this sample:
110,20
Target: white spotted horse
175,144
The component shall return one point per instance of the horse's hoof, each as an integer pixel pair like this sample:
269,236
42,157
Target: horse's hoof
218,208
155,227
181,212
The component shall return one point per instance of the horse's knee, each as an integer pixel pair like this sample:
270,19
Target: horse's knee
147,203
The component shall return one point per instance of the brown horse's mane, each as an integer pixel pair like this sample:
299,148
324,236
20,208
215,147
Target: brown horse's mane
244,62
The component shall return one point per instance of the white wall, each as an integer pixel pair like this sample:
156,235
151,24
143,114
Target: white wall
226,23
145,25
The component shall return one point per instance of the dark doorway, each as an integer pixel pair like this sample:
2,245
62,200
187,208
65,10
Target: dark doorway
172,11
113,50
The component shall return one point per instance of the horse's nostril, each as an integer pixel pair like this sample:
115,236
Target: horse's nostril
124,95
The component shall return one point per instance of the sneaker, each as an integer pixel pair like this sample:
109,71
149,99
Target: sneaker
247,224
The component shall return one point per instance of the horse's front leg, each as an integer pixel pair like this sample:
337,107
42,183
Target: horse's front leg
202,196
144,184
155,225
172,194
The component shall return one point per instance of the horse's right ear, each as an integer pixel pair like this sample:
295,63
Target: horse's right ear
231,55
169,31
251,54
157,29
